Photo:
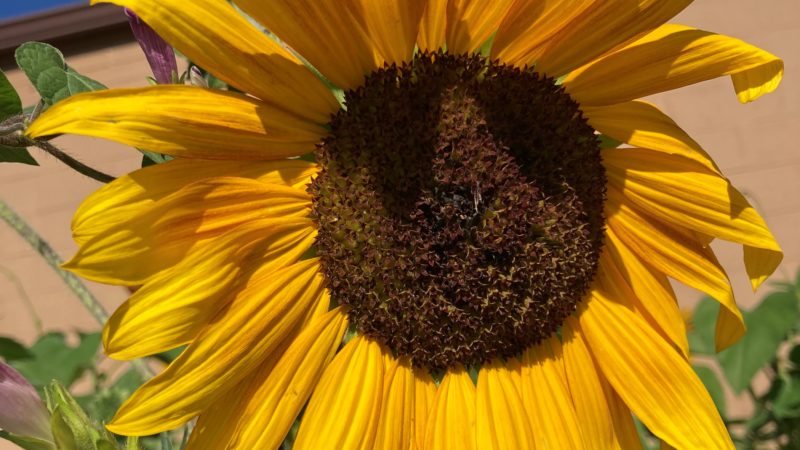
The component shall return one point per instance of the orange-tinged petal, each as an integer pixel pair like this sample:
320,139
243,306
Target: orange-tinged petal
502,420
684,193
157,238
642,124
545,391
135,192
649,290
172,308
671,57
560,37
341,46
433,26
470,23
343,411
679,256
393,26
213,35
452,419
656,382
184,121
260,321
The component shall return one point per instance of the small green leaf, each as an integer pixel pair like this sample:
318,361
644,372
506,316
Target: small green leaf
27,443
607,142
10,103
12,350
787,402
152,158
701,337
45,66
713,385
767,326
52,359
17,155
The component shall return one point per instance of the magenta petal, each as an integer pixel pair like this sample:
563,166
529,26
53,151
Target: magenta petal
21,410
159,54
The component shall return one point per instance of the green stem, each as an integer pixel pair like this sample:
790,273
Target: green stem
72,162
54,261
37,321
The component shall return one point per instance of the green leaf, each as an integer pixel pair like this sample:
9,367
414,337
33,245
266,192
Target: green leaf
787,402
103,404
12,350
45,66
17,155
713,385
52,359
10,103
27,443
170,355
704,319
607,142
152,158
767,326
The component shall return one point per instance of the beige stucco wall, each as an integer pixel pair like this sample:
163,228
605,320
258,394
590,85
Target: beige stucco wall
754,144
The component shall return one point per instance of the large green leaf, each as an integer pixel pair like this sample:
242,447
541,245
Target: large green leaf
52,359
767,326
10,103
45,66
12,350
787,402
713,385
701,335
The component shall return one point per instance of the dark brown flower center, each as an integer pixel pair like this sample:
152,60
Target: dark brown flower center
460,208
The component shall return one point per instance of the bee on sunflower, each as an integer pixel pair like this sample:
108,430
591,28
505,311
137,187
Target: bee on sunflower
462,266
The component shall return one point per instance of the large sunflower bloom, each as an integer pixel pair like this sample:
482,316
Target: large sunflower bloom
504,280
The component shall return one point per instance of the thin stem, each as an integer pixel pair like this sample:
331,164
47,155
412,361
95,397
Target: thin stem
54,261
37,321
72,162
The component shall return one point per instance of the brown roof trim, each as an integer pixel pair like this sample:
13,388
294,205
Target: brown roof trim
73,29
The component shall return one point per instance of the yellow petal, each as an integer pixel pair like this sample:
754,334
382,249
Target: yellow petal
601,423
545,392
172,308
642,124
333,36
213,35
452,420
276,397
393,26
470,23
433,26
682,192
261,320
656,382
395,425
183,121
679,256
502,420
129,194
345,407
424,394
160,236
671,57
560,37
647,289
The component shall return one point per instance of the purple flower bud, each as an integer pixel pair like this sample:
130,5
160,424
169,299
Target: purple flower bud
22,412
159,54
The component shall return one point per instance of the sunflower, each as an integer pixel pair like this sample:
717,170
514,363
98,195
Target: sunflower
464,264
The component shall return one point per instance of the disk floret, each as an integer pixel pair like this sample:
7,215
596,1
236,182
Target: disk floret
459,208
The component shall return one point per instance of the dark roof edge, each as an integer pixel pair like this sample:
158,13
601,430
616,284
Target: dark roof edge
73,29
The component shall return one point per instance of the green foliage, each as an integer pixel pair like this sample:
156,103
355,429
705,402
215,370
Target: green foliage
49,73
10,105
772,329
52,358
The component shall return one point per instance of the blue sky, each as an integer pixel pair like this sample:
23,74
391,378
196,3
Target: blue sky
13,8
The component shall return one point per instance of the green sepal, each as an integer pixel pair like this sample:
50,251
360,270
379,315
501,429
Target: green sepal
72,428
26,442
